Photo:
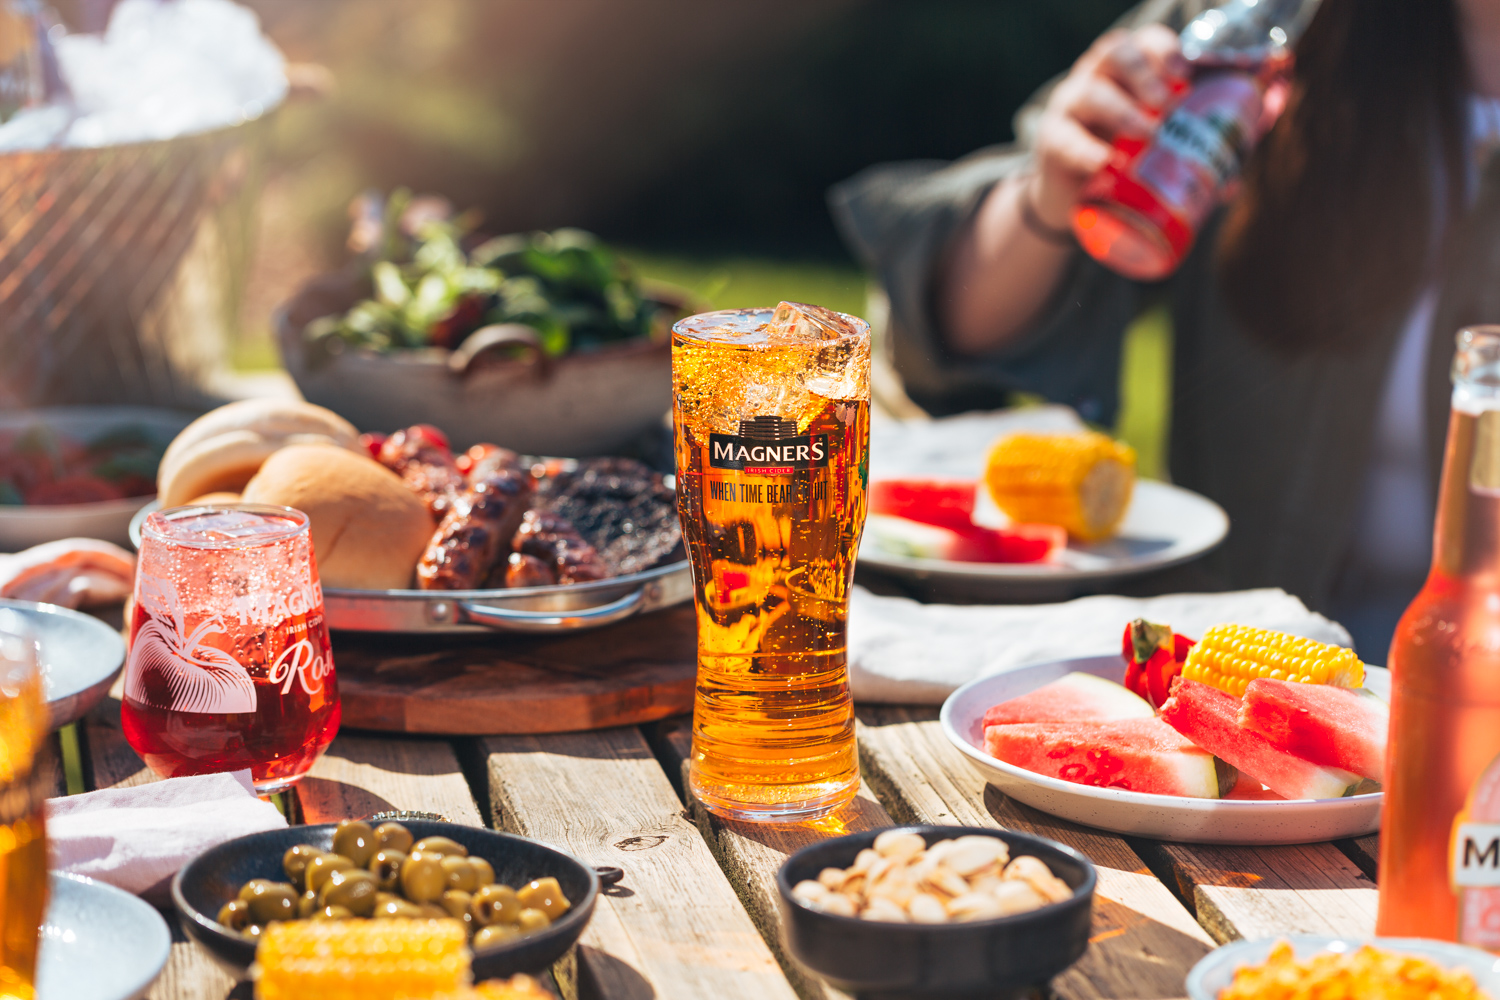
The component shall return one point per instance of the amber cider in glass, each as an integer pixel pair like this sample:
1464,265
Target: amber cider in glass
772,417
25,775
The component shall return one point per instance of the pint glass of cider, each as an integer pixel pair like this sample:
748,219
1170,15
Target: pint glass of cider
772,417
25,777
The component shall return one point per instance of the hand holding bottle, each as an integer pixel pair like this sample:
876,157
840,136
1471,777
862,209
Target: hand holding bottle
1114,93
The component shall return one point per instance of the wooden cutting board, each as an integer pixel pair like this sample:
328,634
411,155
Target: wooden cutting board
638,671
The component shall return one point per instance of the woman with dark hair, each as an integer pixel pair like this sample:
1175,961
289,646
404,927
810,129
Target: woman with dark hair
1312,323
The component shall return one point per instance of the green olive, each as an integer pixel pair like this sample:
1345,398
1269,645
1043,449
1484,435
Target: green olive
432,911
488,937
532,919
399,908
393,836
422,878
353,890
252,930
385,865
495,904
272,901
294,861
456,903
483,871
235,915
441,846
250,888
354,839
319,868
381,898
333,913
307,904
546,895
460,874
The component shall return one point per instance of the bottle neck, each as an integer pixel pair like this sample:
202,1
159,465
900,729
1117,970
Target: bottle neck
1466,535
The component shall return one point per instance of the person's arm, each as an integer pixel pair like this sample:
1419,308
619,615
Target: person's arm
1004,266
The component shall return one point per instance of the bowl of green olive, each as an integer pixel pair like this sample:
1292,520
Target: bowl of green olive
522,903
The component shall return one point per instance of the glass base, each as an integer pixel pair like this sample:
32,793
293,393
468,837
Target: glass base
774,804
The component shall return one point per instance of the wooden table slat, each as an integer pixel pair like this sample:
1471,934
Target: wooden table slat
751,854
674,927
361,775
1144,940
1254,892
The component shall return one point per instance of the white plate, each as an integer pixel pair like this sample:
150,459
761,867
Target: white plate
1216,970
1142,814
98,942
22,527
1165,525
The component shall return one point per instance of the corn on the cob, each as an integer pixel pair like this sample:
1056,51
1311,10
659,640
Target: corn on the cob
361,960
1229,657
518,987
1080,481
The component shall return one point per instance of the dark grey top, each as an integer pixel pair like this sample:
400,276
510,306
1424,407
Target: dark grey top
1282,443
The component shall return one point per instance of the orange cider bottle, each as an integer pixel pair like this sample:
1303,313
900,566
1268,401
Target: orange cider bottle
1440,827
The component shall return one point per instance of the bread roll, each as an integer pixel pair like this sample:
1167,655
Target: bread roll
368,529
222,449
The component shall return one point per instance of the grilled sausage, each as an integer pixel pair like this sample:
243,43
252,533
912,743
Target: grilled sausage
475,532
427,468
484,459
522,570
555,541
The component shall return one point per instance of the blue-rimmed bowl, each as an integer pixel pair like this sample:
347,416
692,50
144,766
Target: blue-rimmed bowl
1215,971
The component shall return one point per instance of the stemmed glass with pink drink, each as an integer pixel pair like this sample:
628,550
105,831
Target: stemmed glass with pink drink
229,664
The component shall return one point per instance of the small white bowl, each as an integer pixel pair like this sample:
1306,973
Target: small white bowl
1215,971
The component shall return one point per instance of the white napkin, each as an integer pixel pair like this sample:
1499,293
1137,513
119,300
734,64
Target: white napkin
136,838
902,652
956,446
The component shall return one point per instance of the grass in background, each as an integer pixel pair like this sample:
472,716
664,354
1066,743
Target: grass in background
1146,391
742,282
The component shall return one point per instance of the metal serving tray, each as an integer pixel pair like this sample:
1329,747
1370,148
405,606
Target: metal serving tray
559,608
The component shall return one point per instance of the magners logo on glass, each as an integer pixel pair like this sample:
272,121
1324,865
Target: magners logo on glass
767,446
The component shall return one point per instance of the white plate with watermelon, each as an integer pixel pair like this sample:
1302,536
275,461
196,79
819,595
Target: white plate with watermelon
1164,526
1176,817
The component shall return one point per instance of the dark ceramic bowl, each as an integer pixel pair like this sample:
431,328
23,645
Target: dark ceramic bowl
214,877
988,959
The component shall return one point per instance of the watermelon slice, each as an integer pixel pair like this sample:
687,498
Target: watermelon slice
1137,755
947,503
1332,726
1022,543
1071,698
1210,718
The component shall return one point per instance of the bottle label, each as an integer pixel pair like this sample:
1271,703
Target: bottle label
1202,143
1476,855
1484,467
1474,861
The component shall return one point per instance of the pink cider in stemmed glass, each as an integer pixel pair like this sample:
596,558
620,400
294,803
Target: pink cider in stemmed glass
229,665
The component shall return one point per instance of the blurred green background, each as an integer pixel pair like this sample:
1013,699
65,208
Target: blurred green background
700,138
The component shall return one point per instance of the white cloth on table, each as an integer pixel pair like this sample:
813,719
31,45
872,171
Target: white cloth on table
139,837
903,652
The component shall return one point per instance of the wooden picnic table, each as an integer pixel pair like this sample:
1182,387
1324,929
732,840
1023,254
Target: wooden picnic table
695,915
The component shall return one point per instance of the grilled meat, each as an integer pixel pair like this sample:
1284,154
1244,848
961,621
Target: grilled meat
621,507
427,468
522,570
558,544
475,532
